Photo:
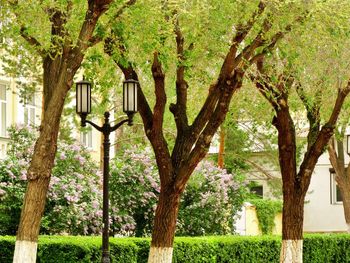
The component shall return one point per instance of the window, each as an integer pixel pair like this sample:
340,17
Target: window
258,190
336,197
86,138
3,110
29,110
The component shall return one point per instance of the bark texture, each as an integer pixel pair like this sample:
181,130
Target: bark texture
292,251
295,184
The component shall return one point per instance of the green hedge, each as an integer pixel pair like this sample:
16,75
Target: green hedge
317,248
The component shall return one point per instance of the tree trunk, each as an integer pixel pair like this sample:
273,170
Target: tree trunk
38,177
344,187
39,171
164,226
292,227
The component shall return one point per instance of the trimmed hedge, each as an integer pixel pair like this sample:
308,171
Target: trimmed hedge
55,249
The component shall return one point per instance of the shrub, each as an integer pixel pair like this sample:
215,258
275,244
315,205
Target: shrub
208,203
318,248
74,196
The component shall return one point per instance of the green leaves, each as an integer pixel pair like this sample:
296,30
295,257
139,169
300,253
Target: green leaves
266,211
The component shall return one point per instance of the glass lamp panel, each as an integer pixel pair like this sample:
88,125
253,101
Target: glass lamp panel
130,96
83,97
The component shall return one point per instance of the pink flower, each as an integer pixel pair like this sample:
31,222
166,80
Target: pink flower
63,156
23,175
81,159
94,204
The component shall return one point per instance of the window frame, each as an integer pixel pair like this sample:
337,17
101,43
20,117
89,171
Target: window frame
86,138
3,106
29,110
334,190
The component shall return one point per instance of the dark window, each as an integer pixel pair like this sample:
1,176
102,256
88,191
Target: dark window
257,190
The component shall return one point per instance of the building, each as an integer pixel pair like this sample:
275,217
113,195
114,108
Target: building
14,109
323,210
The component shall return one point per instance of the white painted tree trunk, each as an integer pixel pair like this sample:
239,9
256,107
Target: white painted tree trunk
292,251
160,255
25,252
348,227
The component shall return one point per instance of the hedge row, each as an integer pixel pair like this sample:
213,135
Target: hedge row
54,249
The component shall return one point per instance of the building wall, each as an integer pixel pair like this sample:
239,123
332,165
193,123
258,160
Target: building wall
15,110
247,223
320,214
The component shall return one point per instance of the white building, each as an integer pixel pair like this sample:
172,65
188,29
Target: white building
323,210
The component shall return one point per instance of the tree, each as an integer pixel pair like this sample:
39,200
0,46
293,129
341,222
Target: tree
254,35
276,79
60,38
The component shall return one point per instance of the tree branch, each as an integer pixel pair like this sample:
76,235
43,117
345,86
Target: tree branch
130,73
312,113
23,32
31,40
95,39
95,10
217,117
159,87
180,108
262,83
275,38
333,157
242,31
327,130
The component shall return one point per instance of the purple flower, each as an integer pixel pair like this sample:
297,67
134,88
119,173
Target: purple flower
23,175
63,156
81,159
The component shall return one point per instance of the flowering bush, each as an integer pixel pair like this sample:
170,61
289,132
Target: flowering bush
134,189
74,196
211,199
208,204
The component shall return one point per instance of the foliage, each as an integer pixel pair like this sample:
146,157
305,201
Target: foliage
266,211
210,199
209,202
74,196
318,248
134,188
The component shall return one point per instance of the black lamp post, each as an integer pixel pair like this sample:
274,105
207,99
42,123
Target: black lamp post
83,108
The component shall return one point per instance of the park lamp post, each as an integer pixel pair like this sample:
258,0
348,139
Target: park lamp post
83,108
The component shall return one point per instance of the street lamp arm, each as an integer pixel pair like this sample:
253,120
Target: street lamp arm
100,129
113,128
